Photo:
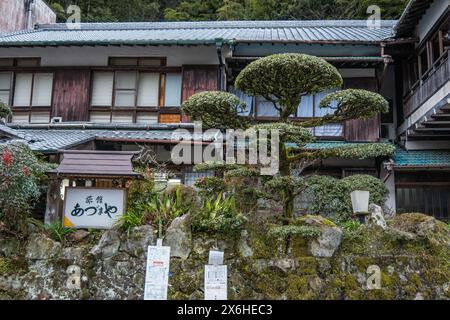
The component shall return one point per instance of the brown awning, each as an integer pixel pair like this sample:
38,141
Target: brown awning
96,164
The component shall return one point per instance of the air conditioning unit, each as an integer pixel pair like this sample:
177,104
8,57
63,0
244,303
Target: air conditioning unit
56,120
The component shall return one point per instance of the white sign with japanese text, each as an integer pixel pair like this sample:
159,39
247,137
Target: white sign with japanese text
93,207
215,282
157,273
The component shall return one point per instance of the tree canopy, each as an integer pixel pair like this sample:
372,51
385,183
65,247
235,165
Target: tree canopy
215,109
195,10
284,78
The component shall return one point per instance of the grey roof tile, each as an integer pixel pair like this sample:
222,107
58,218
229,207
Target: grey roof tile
201,32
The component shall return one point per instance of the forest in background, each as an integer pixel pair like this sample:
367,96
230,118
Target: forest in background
198,10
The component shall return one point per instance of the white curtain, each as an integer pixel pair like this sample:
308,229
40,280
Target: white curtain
173,90
148,92
306,107
22,89
102,89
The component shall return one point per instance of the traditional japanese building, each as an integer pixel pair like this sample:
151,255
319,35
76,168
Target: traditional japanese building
112,86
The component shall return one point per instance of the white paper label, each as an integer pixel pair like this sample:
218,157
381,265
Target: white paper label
215,282
157,273
215,257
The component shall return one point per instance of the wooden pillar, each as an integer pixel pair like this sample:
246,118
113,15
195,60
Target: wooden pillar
53,211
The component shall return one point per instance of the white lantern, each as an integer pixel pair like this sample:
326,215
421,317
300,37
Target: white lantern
360,201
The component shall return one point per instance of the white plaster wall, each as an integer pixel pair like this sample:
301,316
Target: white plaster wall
98,56
431,17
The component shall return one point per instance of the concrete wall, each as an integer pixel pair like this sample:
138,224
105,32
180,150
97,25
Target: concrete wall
14,14
98,56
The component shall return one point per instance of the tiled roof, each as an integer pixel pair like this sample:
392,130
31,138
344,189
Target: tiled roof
411,16
51,140
325,145
202,32
421,158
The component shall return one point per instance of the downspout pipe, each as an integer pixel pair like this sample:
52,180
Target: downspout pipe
30,7
221,82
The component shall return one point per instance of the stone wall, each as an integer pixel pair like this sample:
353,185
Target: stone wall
413,254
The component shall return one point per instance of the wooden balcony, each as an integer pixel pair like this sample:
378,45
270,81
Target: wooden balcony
428,85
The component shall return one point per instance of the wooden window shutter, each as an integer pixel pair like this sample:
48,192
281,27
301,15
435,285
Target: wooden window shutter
198,79
363,130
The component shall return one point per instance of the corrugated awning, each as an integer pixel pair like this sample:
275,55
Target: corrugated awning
105,164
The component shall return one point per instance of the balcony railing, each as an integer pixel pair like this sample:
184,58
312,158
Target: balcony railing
428,85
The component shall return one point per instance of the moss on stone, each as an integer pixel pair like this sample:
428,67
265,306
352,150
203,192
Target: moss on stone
307,266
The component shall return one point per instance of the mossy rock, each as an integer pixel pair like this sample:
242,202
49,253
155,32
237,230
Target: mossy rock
313,220
307,266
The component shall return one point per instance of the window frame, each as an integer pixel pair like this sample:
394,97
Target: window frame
33,73
11,86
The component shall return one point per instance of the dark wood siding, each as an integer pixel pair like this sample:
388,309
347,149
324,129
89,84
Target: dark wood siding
362,130
71,95
198,79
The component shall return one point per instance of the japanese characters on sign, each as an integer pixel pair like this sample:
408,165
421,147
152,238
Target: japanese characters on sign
157,272
92,207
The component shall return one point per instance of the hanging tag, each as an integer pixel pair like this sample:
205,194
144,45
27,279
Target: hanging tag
215,257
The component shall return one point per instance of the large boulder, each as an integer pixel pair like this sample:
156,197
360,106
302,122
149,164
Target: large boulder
330,237
108,244
137,240
40,247
179,237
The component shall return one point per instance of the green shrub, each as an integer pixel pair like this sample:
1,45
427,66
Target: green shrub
218,215
159,211
135,217
4,110
208,186
57,231
331,196
350,225
21,174
186,195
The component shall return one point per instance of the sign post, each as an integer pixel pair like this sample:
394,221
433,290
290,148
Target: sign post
157,272
215,277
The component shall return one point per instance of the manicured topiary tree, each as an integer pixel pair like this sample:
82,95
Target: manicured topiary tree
215,109
284,79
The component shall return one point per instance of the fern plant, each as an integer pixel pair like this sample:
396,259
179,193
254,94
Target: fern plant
218,215
57,231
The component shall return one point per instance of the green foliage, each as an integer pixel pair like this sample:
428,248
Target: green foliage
351,225
284,78
135,217
331,196
20,175
308,232
141,190
159,210
350,104
4,110
287,132
57,231
218,215
208,186
186,196
215,109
